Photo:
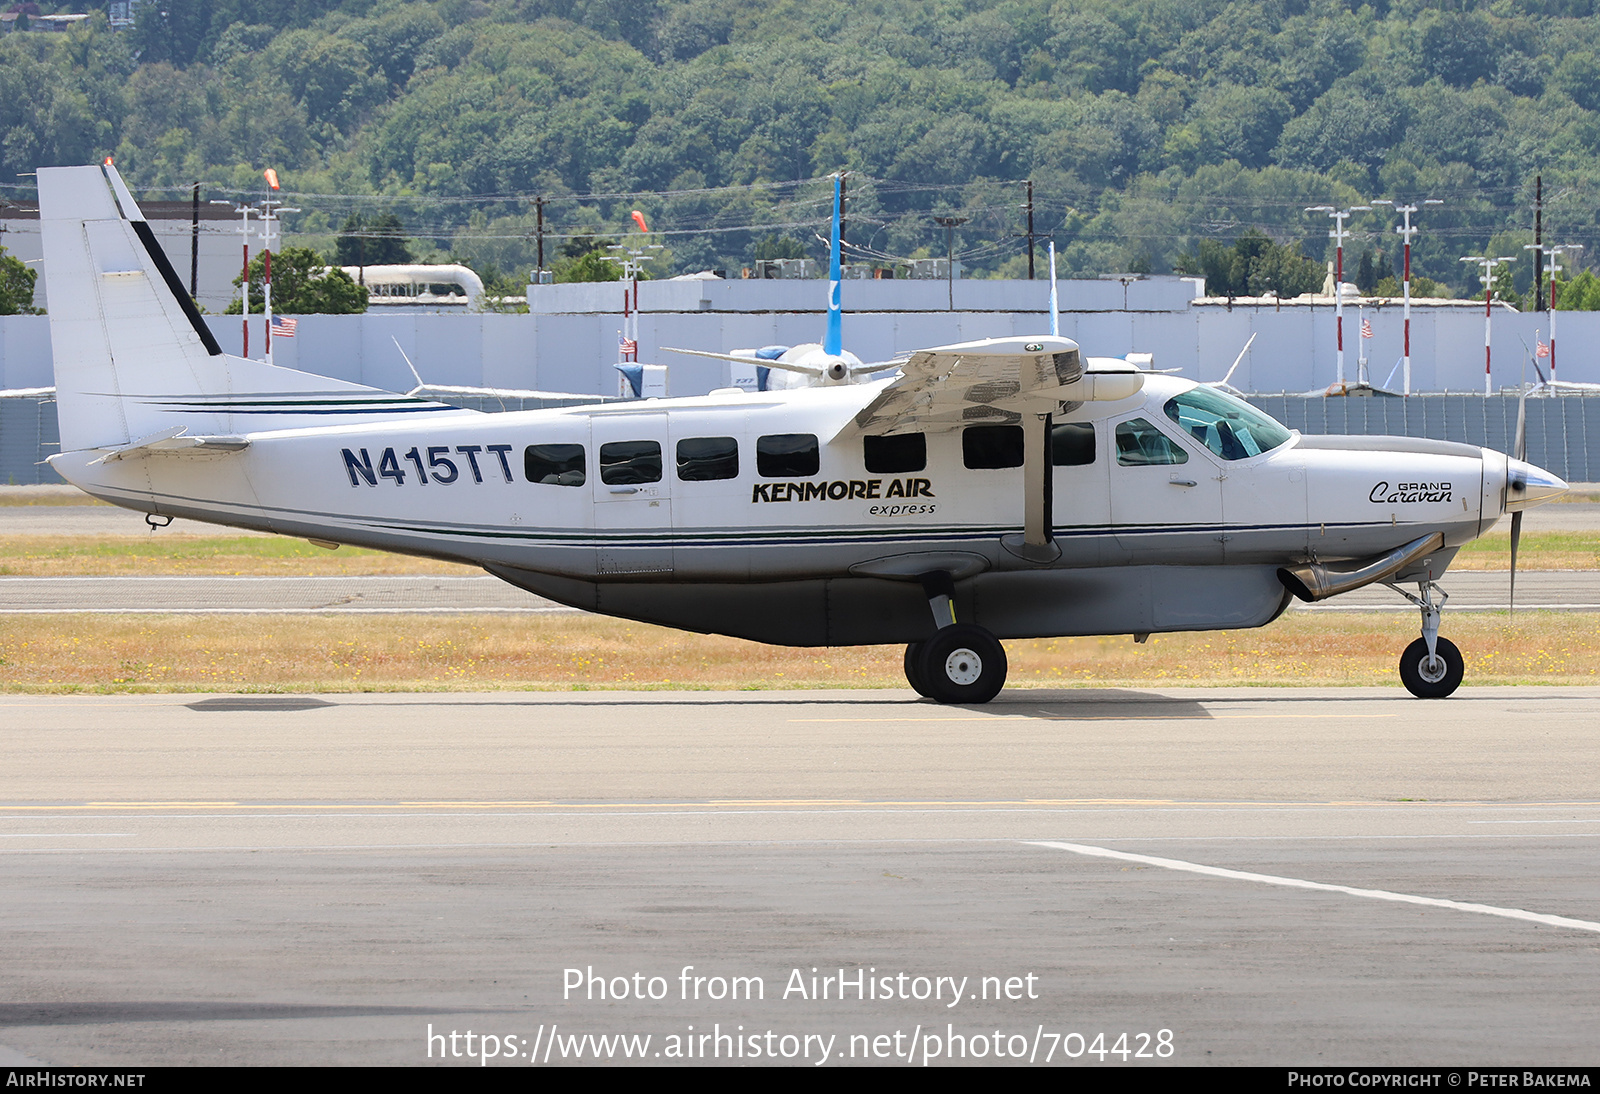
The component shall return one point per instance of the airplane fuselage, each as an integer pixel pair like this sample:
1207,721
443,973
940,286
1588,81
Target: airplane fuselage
733,513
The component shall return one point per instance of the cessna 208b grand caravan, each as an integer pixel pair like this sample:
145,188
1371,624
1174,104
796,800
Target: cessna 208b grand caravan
1008,488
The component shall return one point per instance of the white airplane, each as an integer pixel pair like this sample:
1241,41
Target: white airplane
1008,488
810,364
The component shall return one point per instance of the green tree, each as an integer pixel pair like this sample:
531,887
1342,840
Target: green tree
16,286
1253,266
302,284
1582,293
776,246
1366,273
373,241
593,266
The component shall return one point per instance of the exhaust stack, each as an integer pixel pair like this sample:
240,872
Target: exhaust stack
1315,581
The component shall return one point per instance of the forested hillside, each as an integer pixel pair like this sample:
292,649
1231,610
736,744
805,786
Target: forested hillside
1146,126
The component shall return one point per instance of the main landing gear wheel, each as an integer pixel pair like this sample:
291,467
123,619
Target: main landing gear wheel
914,670
959,664
1431,677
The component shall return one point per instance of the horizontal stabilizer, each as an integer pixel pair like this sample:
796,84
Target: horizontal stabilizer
174,442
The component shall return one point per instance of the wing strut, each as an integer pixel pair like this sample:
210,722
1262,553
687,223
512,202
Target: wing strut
1037,542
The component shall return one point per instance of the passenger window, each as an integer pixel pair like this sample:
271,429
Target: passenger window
1140,444
1072,444
787,456
895,455
991,446
704,459
624,463
554,464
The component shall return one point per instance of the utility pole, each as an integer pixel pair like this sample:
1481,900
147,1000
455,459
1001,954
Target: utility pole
538,204
1338,235
1488,265
843,175
950,224
1406,233
1030,229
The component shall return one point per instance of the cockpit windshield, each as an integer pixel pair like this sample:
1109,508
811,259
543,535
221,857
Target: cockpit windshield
1229,427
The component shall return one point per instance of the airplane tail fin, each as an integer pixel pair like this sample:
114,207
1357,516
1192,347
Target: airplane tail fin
133,356
833,342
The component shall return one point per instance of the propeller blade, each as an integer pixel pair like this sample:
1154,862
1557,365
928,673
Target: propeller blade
1516,537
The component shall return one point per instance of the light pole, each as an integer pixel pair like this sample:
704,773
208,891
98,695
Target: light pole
244,230
1488,265
269,217
1553,267
1337,235
1405,232
633,260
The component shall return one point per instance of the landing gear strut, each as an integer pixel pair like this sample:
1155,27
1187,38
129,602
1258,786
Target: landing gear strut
961,663
1431,667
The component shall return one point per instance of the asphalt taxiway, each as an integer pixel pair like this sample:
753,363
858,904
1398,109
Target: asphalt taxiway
1271,876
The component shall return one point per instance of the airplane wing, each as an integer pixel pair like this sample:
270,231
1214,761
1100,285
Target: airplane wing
740,359
27,393
998,381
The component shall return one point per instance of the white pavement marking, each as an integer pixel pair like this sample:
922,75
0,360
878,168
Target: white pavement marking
1297,883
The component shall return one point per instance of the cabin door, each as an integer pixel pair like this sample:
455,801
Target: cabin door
632,486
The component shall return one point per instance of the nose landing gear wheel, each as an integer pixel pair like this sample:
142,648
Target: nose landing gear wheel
960,664
1431,678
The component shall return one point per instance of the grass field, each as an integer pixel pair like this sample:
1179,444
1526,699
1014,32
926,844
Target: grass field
120,653
67,556
559,651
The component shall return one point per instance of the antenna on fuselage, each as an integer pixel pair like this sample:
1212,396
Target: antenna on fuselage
1238,359
415,374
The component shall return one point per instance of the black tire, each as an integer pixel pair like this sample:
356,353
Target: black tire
1436,681
914,670
962,664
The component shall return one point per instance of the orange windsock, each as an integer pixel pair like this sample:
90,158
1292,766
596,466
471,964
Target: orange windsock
271,176
638,218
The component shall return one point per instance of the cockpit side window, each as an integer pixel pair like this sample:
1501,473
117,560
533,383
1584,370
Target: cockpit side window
1140,444
1229,427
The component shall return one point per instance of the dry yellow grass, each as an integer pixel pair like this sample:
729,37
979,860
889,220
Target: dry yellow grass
408,653
111,556
106,555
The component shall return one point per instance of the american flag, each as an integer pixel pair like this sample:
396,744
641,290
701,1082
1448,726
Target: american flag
628,345
283,326
1540,349
1366,328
